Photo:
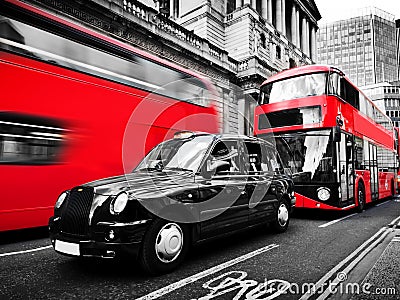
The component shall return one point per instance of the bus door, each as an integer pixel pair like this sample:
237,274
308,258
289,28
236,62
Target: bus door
346,169
373,166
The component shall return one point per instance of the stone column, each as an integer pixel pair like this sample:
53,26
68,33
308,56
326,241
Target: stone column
298,27
269,8
278,16
304,35
284,17
238,3
308,37
313,43
247,2
254,4
293,25
172,8
157,5
264,9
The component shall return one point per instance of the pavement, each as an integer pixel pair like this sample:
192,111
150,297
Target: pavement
383,280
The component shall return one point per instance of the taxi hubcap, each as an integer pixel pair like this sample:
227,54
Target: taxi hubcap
283,215
169,242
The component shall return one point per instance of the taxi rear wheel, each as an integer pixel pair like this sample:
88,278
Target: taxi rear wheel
282,217
164,247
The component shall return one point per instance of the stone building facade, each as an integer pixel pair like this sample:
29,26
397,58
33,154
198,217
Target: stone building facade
236,43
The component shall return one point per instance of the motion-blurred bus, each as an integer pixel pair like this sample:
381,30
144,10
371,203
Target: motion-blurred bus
77,105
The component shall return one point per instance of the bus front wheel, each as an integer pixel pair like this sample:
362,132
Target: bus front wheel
360,197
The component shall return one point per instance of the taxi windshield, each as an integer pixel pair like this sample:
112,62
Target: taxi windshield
177,154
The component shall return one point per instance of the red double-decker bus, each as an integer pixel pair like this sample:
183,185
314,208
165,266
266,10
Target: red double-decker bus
340,147
77,105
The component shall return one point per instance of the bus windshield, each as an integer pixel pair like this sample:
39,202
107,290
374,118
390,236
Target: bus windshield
294,88
310,155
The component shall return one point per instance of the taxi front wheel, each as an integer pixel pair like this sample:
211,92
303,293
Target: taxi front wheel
164,247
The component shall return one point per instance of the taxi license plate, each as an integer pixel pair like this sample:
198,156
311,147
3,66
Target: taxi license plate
67,248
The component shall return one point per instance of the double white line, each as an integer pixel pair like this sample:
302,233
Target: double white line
348,264
393,223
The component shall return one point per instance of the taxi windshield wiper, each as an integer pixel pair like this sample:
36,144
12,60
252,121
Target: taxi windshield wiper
150,169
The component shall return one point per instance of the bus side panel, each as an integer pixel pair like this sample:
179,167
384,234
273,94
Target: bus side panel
365,177
95,114
386,179
310,203
366,127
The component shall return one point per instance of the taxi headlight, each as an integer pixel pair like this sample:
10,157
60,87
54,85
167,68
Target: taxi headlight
323,193
119,203
61,199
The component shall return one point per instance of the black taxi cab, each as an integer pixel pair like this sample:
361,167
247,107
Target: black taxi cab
187,190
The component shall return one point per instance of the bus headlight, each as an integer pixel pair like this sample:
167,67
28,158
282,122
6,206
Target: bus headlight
61,199
323,193
119,203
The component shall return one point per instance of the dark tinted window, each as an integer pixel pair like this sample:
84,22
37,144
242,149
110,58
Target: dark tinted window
227,152
349,93
29,140
291,117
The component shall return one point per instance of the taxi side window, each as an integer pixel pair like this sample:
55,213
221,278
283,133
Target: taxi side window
226,155
261,159
253,159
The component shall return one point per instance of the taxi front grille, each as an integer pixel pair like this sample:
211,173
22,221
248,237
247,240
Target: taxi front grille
75,214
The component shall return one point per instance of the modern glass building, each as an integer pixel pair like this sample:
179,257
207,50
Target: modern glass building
398,46
363,46
387,97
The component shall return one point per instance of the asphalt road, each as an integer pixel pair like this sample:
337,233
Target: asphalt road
252,265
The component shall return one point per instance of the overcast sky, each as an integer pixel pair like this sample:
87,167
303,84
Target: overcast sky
333,10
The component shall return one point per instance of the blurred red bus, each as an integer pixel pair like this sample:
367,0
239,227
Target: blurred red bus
339,145
397,147
78,106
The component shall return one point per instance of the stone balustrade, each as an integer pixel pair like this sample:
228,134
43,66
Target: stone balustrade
152,17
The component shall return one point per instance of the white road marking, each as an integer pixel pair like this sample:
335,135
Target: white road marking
351,266
321,283
179,284
335,221
394,221
25,251
387,201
